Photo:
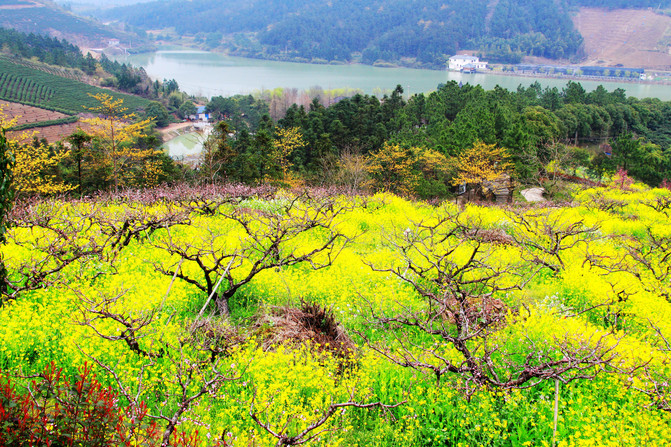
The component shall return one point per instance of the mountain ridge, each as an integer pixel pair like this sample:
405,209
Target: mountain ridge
47,18
403,32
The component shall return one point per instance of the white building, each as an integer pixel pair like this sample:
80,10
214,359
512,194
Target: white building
458,62
201,115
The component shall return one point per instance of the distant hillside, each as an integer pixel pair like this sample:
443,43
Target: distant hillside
45,49
49,99
631,38
33,85
420,32
87,6
45,17
412,31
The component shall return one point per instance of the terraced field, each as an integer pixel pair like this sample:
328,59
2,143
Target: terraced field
632,38
28,114
19,83
47,124
50,133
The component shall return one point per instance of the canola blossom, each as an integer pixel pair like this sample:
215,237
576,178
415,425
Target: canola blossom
133,289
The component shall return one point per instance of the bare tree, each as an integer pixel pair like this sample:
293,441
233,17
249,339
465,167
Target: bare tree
193,380
655,379
661,204
650,260
314,429
460,325
53,240
600,201
545,236
195,361
105,307
60,238
351,169
267,240
137,221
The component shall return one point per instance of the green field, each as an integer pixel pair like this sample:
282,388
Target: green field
19,83
24,90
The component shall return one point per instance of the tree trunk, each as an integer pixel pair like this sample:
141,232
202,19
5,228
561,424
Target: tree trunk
222,306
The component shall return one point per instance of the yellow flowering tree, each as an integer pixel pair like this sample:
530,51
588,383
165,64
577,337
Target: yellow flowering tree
481,162
32,162
392,169
285,143
116,132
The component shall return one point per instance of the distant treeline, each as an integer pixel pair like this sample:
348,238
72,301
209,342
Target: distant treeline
600,130
409,31
45,49
22,80
64,54
618,72
415,146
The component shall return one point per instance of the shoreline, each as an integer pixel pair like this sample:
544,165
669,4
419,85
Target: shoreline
220,74
173,130
498,72
574,78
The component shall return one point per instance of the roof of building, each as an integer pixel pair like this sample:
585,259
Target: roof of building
464,57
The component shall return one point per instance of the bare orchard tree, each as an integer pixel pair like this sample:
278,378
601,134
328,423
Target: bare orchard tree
650,261
661,204
655,380
303,230
315,428
136,221
544,237
46,244
461,323
645,260
191,381
61,238
130,328
196,370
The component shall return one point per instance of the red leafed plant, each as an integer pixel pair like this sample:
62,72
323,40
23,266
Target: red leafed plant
57,411
621,180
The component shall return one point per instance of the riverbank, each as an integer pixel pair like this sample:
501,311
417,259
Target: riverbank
208,74
174,130
577,78
496,69
185,141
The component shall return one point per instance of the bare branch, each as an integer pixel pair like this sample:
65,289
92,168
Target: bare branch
306,435
455,271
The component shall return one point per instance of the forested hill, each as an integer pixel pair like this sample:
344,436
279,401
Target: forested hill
44,17
409,31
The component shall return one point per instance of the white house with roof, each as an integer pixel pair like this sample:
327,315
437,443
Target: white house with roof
201,115
463,62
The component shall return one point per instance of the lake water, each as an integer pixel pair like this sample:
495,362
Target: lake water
186,145
210,74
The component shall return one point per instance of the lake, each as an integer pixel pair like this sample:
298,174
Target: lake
186,145
210,74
